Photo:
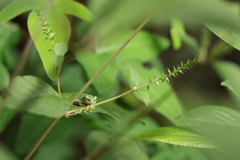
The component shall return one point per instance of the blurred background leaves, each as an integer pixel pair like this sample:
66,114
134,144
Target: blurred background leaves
178,30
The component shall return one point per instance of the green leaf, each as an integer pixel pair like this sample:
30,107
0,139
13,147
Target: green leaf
92,63
229,35
50,106
222,124
18,7
231,72
143,47
10,32
145,97
56,150
230,87
6,153
30,129
112,110
68,96
75,9
117,147
78,76
58,25
177,29
192,12
61,48
5,78
134,75
207,117
176,136
169,106
57,60
35,96
6,115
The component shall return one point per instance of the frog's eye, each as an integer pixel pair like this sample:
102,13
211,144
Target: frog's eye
76,103
84,98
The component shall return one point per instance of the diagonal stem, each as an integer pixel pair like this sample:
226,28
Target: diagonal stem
110,59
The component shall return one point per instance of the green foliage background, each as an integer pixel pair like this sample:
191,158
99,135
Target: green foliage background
195,116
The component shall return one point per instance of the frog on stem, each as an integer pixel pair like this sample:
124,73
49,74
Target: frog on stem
83,104
85,100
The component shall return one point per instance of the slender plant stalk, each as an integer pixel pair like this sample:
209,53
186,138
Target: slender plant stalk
179,69
70,113
58,83
20,66
110,59
52,124
22,62
39,141
33,149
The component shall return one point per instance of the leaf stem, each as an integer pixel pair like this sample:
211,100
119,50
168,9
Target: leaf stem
58,82
109,60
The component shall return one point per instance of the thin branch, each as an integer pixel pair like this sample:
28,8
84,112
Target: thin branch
179,69
110,59
33,149
24,57
71,113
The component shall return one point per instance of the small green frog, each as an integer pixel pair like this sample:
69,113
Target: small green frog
85,100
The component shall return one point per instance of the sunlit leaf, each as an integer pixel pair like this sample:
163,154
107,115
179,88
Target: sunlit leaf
61,48
227,34
134,75
59,27
176,136
74,8
57,60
